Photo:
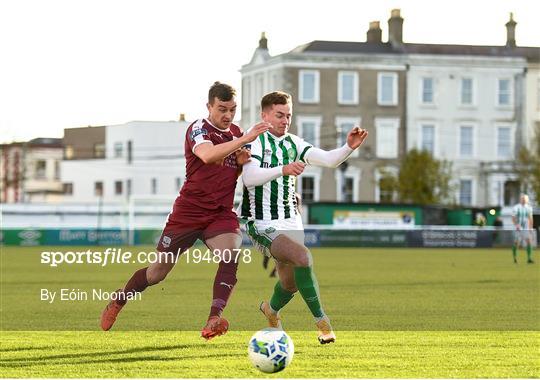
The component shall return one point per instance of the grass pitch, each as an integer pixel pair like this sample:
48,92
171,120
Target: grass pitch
397,313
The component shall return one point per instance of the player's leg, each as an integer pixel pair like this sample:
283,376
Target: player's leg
223,238
528,241
169,247
286,250
284,290
515,245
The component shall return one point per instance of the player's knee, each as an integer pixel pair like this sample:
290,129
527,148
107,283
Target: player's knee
302,258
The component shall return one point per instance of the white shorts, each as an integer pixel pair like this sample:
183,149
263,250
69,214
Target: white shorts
263,232
522,235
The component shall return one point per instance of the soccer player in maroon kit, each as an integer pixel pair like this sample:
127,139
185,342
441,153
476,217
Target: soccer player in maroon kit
203,210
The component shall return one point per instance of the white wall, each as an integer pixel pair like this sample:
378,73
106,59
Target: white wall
447,113
157,152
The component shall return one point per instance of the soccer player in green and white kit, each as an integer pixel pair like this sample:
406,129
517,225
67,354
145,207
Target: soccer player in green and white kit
522,217
269,205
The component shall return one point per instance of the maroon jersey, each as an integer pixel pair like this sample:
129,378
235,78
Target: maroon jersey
209,186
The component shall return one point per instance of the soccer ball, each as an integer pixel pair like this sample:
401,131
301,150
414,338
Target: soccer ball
270,350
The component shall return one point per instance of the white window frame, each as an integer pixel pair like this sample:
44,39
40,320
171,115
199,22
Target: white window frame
510,92
316,184
379,122
394,101
473,190
422,91
435,136
316,95
473,89
474,127
317,120
356,121
116,150
356,86
351,172
512,127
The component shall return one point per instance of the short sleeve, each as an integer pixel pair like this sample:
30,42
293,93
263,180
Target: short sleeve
197,134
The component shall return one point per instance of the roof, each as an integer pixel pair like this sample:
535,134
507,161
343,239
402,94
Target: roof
530,53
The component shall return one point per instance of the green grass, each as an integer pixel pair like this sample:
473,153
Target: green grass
398,313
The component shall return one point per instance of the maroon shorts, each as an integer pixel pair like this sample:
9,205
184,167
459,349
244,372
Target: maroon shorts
187,223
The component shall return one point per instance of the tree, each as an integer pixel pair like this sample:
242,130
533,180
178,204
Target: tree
421,179
528,166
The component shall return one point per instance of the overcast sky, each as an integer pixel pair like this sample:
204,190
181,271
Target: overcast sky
69,63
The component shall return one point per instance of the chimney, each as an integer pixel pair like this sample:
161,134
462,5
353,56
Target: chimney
374,33
182,117
511,32
395,28
263,42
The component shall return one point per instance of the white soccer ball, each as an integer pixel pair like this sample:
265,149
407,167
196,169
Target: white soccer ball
270,350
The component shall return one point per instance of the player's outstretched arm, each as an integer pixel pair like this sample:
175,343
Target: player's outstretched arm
254,175
334,158
210,153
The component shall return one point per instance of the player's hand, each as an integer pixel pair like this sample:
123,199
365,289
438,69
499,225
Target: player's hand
356,137
243,155
295,168
258,129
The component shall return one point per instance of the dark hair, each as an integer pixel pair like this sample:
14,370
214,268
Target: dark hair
276,97
222,91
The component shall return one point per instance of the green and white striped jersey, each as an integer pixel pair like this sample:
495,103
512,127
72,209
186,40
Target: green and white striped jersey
522,213
275,199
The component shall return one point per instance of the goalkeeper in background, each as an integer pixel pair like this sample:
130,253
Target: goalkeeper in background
522,217
271,208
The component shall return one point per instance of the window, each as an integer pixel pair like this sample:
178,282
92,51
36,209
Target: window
129,152
427,91
309,128
118,149
68,152
347,87
178,183
98,189
308,189
466,141
259,86
387,137
99,150
428,138
465,192
348,190
504,142
56,169
343,126
67,188
466,96
386,190
153,186
128,187
387,89
41,169
118,187
308,86
504,92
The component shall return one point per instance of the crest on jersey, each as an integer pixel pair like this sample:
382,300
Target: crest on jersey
196,132
291,153
166,241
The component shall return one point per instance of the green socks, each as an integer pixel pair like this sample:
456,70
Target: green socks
514,252
280,297
307,285
529,252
